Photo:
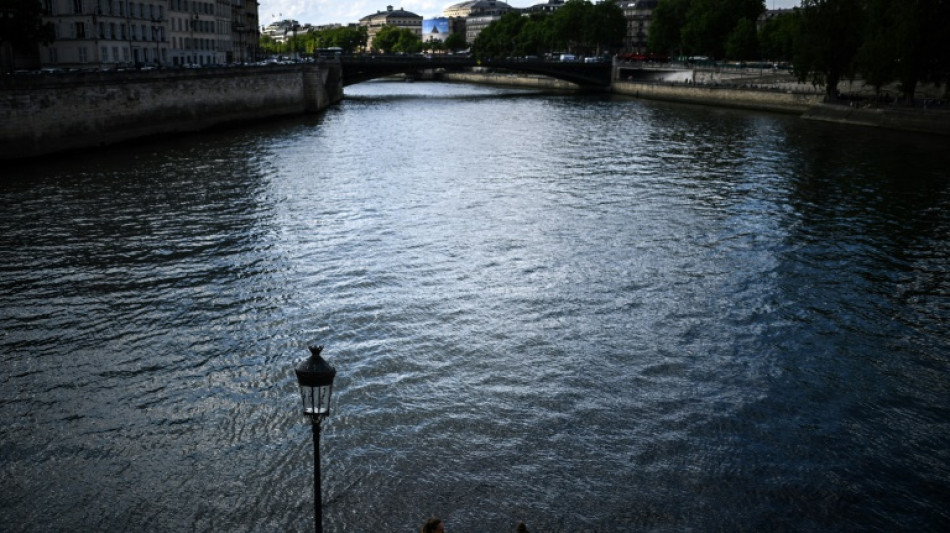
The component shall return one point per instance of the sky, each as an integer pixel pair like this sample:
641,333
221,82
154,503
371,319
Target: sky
318,12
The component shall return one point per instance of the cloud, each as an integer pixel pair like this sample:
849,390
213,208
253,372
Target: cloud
350,11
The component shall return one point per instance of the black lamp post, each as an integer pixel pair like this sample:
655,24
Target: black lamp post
315,377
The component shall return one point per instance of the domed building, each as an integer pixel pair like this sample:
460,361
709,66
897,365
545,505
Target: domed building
476,7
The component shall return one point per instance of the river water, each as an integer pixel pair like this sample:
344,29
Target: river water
584,312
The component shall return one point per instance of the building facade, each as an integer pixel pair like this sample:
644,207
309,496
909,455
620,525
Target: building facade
399,18
549,7
245,38
109,34
475,15
638,13
106,33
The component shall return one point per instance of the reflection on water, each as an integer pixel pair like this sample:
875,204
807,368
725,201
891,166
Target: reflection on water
582,312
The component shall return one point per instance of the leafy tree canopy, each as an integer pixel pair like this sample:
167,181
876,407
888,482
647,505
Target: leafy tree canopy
394,40
778,35
709,24
828,40
455,42
669,17
578,26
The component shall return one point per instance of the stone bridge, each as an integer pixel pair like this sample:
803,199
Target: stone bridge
358,69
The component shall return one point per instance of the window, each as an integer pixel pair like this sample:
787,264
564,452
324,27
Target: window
77,6
80,31
82,54
105,54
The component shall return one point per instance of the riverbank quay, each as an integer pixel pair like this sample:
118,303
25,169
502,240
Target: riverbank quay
509,79
45,114
778,101
913,119
751,89
933,120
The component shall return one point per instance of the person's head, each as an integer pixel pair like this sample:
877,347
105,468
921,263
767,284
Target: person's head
433,525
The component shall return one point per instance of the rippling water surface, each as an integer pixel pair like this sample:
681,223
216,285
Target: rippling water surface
587,313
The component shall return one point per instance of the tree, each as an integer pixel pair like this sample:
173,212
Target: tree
828,40
565,26
578,26
349,38
534,37
743,43
709,23
393,39
455,42
270,46
604,26
409,42
500,38
919,43
669,17
778,35
877,56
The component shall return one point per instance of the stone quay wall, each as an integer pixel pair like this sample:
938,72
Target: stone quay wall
44,114
762,100
931,121
516,80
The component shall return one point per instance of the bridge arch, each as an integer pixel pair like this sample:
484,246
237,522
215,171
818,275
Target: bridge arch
357,69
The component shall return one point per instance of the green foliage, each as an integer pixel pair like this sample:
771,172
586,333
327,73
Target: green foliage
349,38
395,40
604,26
743,42
578,26
455,42
500,38
828,41
706,27
877,56
778,35
920,44
669,17
269,46
709,23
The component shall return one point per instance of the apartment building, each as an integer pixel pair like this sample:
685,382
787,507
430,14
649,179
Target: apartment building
108,34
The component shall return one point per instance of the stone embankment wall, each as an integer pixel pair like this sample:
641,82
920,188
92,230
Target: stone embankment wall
47,114
933,121
517,80
764,100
